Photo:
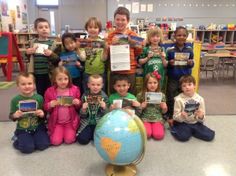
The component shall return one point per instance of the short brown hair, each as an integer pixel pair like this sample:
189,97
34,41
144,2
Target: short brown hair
187,79
26,75
95,76
61,69
93,21
153,32
40,20
122,11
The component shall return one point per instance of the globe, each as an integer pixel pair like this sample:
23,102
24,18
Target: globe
120,139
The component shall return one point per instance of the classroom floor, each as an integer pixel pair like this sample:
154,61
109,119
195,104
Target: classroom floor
162,158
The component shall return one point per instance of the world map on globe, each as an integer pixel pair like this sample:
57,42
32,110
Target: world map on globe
120,138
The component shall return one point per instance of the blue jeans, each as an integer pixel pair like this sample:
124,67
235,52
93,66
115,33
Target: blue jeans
28,141
183,131
86,135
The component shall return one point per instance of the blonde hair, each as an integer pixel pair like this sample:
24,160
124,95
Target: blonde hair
25,75
95,76
146,79
61,69
153,32
93,21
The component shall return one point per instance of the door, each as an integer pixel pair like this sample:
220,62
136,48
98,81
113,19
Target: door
52,15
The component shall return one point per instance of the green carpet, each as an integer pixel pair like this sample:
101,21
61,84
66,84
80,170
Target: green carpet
6,85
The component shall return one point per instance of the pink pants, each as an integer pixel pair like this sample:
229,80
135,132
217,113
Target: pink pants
63,132
155,129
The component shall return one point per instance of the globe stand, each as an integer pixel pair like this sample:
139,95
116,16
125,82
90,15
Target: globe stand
126,170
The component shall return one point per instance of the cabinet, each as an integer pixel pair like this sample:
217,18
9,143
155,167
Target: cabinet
215,36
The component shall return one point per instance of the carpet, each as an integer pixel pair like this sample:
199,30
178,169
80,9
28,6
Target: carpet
6,85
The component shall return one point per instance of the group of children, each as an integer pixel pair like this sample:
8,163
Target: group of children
78,98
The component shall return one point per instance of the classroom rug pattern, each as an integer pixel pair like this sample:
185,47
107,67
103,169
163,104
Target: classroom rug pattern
6,85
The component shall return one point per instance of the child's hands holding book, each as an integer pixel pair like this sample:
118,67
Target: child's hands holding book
84,106
76,102
31,50
47,52
163,106
54,103
144,104
172,62
199,114
17,114
190,62
102,104
184,115
39,113
135,103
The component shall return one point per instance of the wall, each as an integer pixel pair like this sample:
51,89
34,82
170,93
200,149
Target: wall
74,12
192,11
15,10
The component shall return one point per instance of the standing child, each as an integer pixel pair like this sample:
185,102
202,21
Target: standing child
122,98
153,56
62,101
189,113
95,58
41,49
70,59
94,106
121,20
152,111
180,62
26,109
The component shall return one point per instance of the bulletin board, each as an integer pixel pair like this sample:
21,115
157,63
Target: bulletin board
9,53
4,45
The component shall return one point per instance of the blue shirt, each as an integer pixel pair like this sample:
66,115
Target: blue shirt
176,71
69,59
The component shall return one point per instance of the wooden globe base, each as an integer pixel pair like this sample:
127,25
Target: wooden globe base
126,170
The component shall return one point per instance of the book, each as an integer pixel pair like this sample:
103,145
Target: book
120,39
153,97
88,43
93,99
40,48
136,41
69,59
28,106
181,58
191,107
65,100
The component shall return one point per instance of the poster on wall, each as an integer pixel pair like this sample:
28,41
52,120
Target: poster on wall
4,7
18,11
24,18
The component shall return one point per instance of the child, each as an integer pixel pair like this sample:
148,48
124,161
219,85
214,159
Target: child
189,113
121,20
153,56
95,59
30,131
94,106
70,59
152,112
41,50
62,101
122,98
180,62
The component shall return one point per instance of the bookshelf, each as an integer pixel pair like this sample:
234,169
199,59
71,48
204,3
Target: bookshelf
23,39
225,36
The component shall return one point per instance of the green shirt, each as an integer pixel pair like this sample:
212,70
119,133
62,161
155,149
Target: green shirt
43,63
94,63
153,112
155,63
116,96
28,121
